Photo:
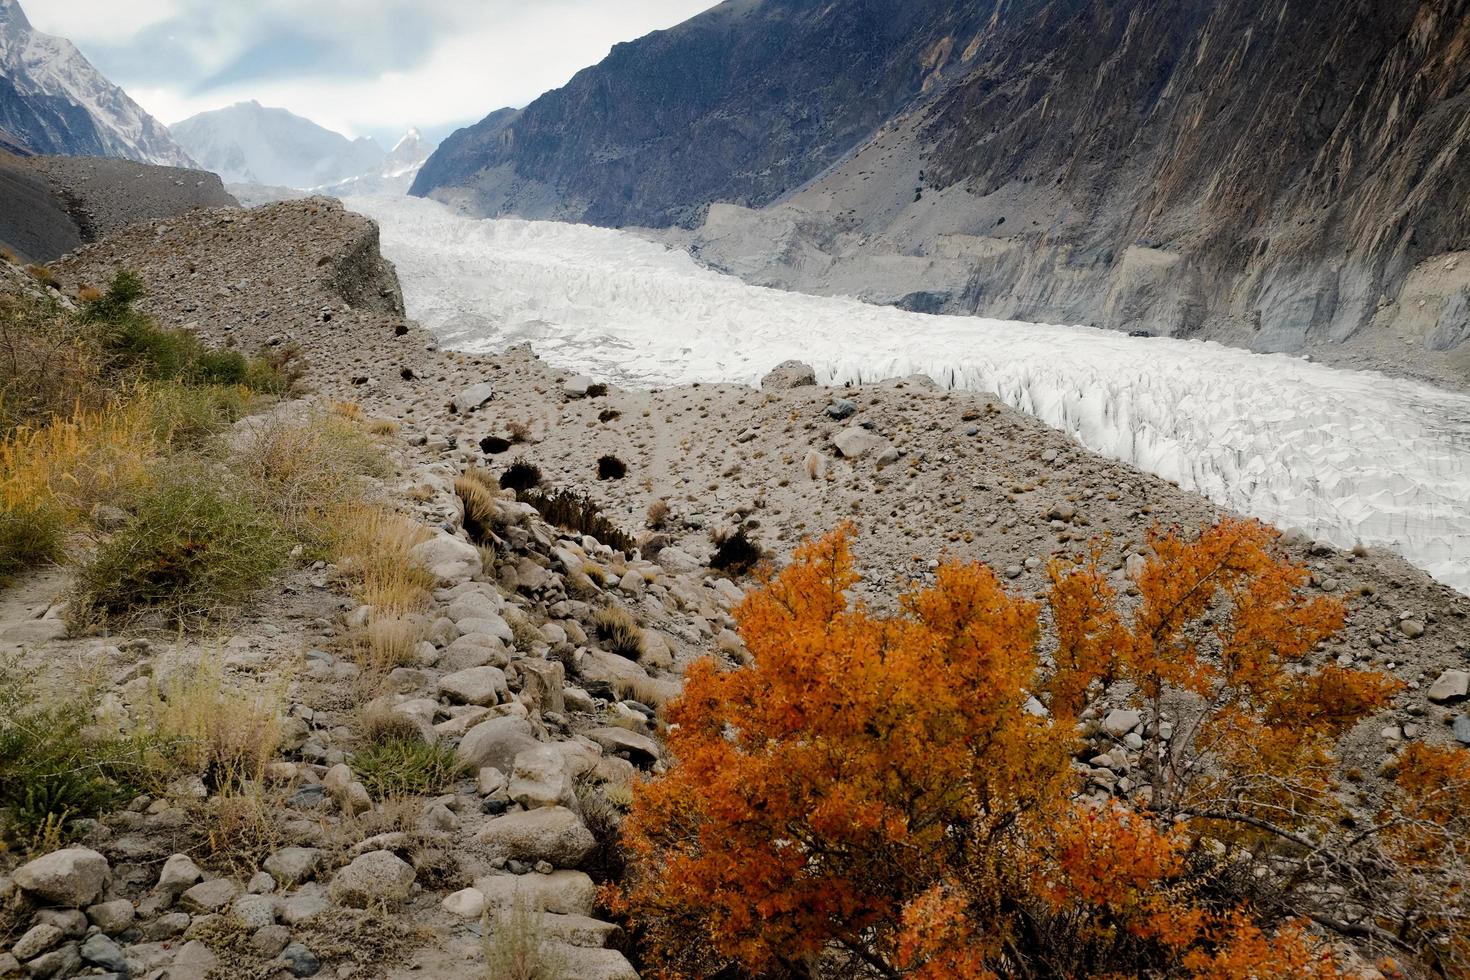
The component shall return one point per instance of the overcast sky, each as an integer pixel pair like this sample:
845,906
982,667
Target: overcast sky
361,67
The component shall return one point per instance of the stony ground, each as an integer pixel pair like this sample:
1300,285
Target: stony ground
515,674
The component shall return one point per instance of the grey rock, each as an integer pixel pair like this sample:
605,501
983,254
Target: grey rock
496,743
210,896
302,907
112,917
72,877
61,962
471,398
540,778
477,685
553,834
788,375
300,961
270,940
37,940
1462,729
254,911
567,892
377,876
855,442
179,873
842,408
98,950
642,750
1451,687
1120,722
293,865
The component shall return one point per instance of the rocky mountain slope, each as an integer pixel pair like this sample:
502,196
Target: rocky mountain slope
54,101
51,205
1229,171
514,676
251,143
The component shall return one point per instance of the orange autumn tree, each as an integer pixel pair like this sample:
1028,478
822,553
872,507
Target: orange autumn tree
895,795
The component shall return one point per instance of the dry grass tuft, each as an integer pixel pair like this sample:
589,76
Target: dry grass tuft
617,628
514,948
226,734
373,548
388,642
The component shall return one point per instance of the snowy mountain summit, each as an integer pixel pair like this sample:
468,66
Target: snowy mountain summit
394,176
251,143
52,100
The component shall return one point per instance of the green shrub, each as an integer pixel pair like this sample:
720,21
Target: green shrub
220,367
53,768
30,535
184,416
195,549
406,765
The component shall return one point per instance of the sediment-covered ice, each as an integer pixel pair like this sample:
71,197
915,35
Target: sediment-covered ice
1346,456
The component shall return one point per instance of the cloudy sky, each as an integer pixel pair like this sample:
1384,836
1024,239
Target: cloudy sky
361,67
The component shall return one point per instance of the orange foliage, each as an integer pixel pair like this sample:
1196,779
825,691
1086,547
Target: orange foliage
882,787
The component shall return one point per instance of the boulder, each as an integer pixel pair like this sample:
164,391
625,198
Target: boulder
293,865
541,778
676,561
112,917
592,964
377,876
450,559
1120,722
552,834
567,892
855,442
642,750
210,896
1450,687
788,375
543,683
72,877
496,743
471,398
467,903
478,685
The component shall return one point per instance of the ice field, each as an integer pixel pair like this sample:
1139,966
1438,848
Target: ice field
1345,456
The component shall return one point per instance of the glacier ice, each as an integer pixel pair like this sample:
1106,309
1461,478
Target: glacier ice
1346,456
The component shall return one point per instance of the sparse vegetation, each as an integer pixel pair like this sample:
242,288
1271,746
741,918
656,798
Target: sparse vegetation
617,628
56,765
374,551
514,948
521,476
224,733
404,765
735,553
519,431
576,512
658,515
611,468
196,548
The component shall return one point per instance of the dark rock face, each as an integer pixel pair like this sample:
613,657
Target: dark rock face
1250,138
48,124
742,103
50,205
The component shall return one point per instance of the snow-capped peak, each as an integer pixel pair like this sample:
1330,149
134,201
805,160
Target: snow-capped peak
47,73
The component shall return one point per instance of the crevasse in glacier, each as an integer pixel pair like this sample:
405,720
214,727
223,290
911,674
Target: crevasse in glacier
1346,456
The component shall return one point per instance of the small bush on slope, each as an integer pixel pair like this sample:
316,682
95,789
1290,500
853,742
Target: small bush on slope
406,765
195,549
54,767
876,785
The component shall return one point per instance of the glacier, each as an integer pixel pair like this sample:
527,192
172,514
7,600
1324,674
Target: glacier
1345,456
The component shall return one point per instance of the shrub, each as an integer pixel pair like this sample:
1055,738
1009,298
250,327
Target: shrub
494,445
406,766
735,553
305,470
519,431
514,948
54,767
196,549
609,415
388,641
880,786
185,416
29,536
617,628
521,476
596,390
49,365
277,371
611,468
577,513
226,734
44,276
76,463
658,515
483,517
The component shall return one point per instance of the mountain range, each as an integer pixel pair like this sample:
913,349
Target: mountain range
1278,176
53,101
251,143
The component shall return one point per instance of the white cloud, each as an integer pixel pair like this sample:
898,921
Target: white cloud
99,21
481,56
